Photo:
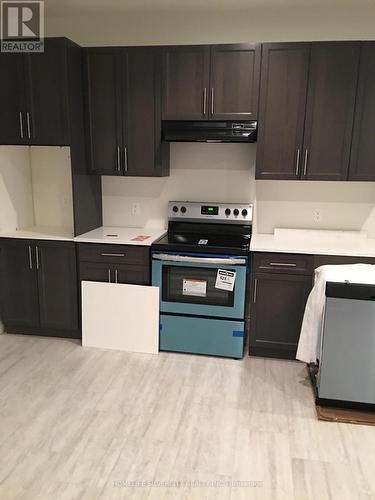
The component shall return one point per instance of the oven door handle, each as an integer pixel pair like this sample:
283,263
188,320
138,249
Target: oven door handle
230,261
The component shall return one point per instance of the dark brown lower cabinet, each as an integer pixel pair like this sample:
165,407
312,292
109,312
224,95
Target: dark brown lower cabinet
38,293
114,263
277,311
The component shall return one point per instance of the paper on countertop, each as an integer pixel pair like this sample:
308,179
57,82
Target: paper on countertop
312,325
141,237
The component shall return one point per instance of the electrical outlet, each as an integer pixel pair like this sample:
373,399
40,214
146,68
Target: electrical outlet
136,209
317,214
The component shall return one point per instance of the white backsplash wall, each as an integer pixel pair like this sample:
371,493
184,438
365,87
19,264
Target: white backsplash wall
52,186
16,200
342,205
199,172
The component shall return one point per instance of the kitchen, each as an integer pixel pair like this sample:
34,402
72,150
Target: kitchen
40,189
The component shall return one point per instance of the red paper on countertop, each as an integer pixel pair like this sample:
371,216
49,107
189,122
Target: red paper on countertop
141,237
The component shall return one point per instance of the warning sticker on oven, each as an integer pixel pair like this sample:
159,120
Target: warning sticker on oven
196,288
225,280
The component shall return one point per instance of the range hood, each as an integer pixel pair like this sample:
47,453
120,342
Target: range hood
209,131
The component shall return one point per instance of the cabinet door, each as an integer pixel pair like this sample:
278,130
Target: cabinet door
362,166
234,82
12,99
145,155
133,275
277,312
103,105
46,113
19,288
282,106
330,108
185,82
57,283
94,271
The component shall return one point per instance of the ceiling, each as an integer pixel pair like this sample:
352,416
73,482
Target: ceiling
71,7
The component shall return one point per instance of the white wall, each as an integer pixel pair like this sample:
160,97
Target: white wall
52,186
16,200
185,25
225,172
210,172
35,188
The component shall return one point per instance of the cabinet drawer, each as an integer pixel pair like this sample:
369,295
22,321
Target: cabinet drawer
283,263
122,254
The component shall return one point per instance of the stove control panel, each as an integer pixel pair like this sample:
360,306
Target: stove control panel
235,213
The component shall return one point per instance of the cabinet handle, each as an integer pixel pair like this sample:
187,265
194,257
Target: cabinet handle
116,276
37,257
28,124
126,158
118,159
297,162
112,254
255,290
305,163
283,264
212,101
109,275
204,101
21,125
30,258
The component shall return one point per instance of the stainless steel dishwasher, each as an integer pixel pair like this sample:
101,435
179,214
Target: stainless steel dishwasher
346,374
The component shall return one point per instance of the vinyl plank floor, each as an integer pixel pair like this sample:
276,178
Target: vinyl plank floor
89,424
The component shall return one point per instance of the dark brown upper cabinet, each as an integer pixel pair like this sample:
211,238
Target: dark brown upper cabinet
234,82
219,82
123,106
362,167
330,110
307,103
186,75
282,105
35,93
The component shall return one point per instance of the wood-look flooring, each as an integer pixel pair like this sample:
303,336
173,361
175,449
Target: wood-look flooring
80,423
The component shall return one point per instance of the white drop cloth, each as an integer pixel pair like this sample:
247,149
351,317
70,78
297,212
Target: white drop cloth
309,342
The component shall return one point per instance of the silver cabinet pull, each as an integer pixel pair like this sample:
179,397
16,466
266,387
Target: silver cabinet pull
283,264
21,125
126,158
204,101
255,290
109,275
112,254
28,124
297,161
37,257
305,163
212,101
118,159
116,276
30,258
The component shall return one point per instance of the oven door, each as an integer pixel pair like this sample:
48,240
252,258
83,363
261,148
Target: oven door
189,284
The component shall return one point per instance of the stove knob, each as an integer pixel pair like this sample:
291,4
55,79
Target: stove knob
175,208
183,210
244,212
227,211
236,212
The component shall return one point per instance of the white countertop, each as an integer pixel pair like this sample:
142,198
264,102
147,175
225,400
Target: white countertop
40,233
121,236
117,235
318,242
